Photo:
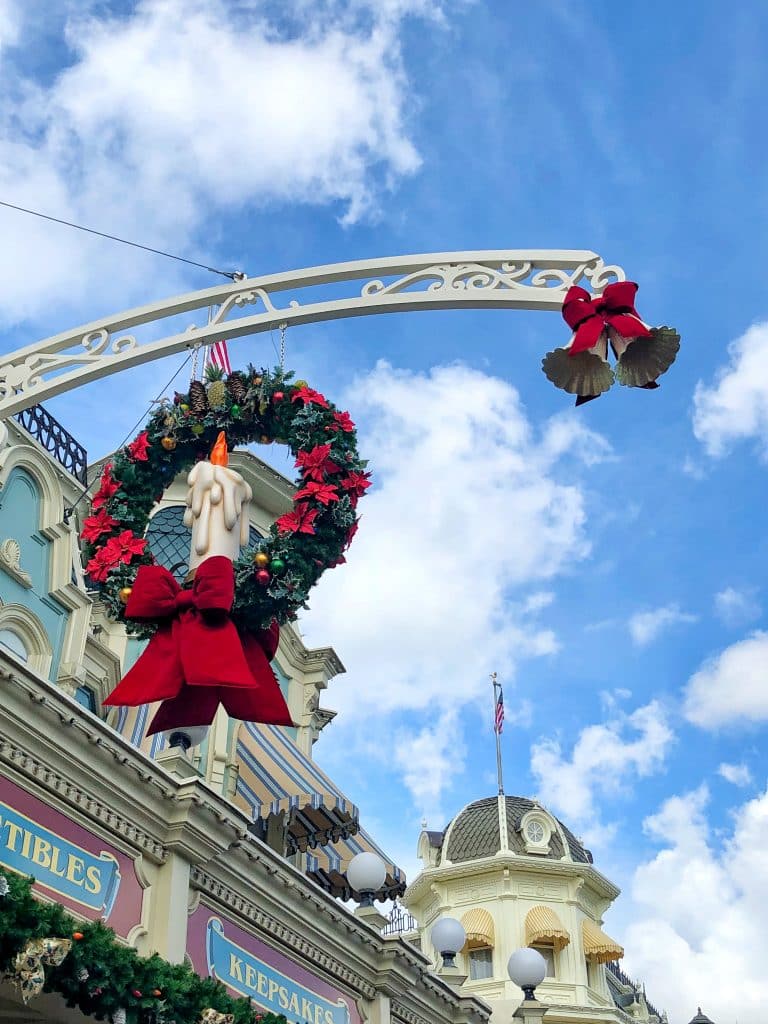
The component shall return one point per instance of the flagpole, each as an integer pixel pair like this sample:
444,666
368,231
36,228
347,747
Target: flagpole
497,731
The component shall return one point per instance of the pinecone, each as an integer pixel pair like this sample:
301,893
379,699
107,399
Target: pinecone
198,399
238,386
215,387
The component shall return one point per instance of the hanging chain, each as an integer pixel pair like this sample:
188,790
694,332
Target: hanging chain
283,328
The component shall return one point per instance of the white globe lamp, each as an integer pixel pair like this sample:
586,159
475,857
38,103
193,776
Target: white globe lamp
527,968
448,937
366,874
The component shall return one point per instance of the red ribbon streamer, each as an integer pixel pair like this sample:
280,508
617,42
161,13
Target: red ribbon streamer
197,659
588,317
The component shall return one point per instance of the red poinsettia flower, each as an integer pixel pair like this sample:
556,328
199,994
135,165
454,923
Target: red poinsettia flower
317,463
298,521
107,488
99,566
344,422
137,449
309,397
123,547
94,526
323,494
356,483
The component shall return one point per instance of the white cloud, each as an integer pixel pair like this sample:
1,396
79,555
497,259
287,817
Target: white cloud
735,407
736,607
604,760
428,758
180,111
701,934
731,687
465,524
738,774
645,627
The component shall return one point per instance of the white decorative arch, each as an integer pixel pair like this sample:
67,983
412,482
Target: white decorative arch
490,279
25,624
39,467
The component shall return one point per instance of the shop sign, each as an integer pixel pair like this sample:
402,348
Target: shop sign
248,967
67,861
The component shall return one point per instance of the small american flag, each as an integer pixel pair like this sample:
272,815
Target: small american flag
498,724
219,356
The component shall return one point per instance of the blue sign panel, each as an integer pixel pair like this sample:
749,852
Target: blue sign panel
264,984
56,863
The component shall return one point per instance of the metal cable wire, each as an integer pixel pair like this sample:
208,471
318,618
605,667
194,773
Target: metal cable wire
231,274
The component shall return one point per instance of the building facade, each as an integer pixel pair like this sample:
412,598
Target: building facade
515,876
233,859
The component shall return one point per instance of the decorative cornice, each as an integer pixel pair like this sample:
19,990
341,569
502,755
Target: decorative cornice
405,1013
281,932
114,823
518,864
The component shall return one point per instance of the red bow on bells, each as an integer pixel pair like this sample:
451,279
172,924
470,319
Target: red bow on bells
588,317
197,659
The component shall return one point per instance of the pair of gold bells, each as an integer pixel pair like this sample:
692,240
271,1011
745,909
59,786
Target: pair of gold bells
639,363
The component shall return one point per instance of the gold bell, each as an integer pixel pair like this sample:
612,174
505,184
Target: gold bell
586,374
643,360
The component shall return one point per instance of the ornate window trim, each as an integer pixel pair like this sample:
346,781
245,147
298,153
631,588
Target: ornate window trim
536,828
30,630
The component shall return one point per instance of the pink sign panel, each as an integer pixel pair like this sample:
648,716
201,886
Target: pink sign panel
70,865
248,967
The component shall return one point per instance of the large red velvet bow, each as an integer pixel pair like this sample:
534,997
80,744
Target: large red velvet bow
197,659
588,317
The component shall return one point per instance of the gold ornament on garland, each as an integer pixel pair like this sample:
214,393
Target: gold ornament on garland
29,965
124,594
261,559
169,443
210,1016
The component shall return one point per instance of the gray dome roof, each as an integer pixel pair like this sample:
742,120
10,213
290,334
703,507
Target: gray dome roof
701,1018
475,832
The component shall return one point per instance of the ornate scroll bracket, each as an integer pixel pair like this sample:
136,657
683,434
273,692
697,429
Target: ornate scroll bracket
496,279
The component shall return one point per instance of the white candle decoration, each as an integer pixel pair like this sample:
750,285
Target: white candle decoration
217,508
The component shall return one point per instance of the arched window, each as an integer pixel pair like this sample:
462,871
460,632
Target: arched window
168,539
12,642
24,636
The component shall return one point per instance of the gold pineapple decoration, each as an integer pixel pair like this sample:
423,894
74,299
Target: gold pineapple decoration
215,386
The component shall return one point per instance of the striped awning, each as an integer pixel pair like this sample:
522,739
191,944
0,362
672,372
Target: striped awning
478,924
599,948
276,779
542,925
327,866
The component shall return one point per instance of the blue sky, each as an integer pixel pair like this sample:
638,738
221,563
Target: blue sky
607,562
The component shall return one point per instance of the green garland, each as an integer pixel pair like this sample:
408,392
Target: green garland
101,975
256,406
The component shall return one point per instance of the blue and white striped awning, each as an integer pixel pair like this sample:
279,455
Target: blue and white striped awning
275,777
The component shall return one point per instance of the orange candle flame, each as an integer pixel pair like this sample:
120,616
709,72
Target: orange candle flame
219,453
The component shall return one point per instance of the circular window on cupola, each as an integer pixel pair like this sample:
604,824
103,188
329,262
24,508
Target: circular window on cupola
536,830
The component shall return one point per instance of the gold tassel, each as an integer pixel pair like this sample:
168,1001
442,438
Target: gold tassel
210,1016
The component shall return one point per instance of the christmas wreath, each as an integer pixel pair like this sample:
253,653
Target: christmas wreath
273,577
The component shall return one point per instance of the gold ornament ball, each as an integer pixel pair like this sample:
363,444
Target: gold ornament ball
184,407
300,384
258,381
169,443
261,559
265,439
124,593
